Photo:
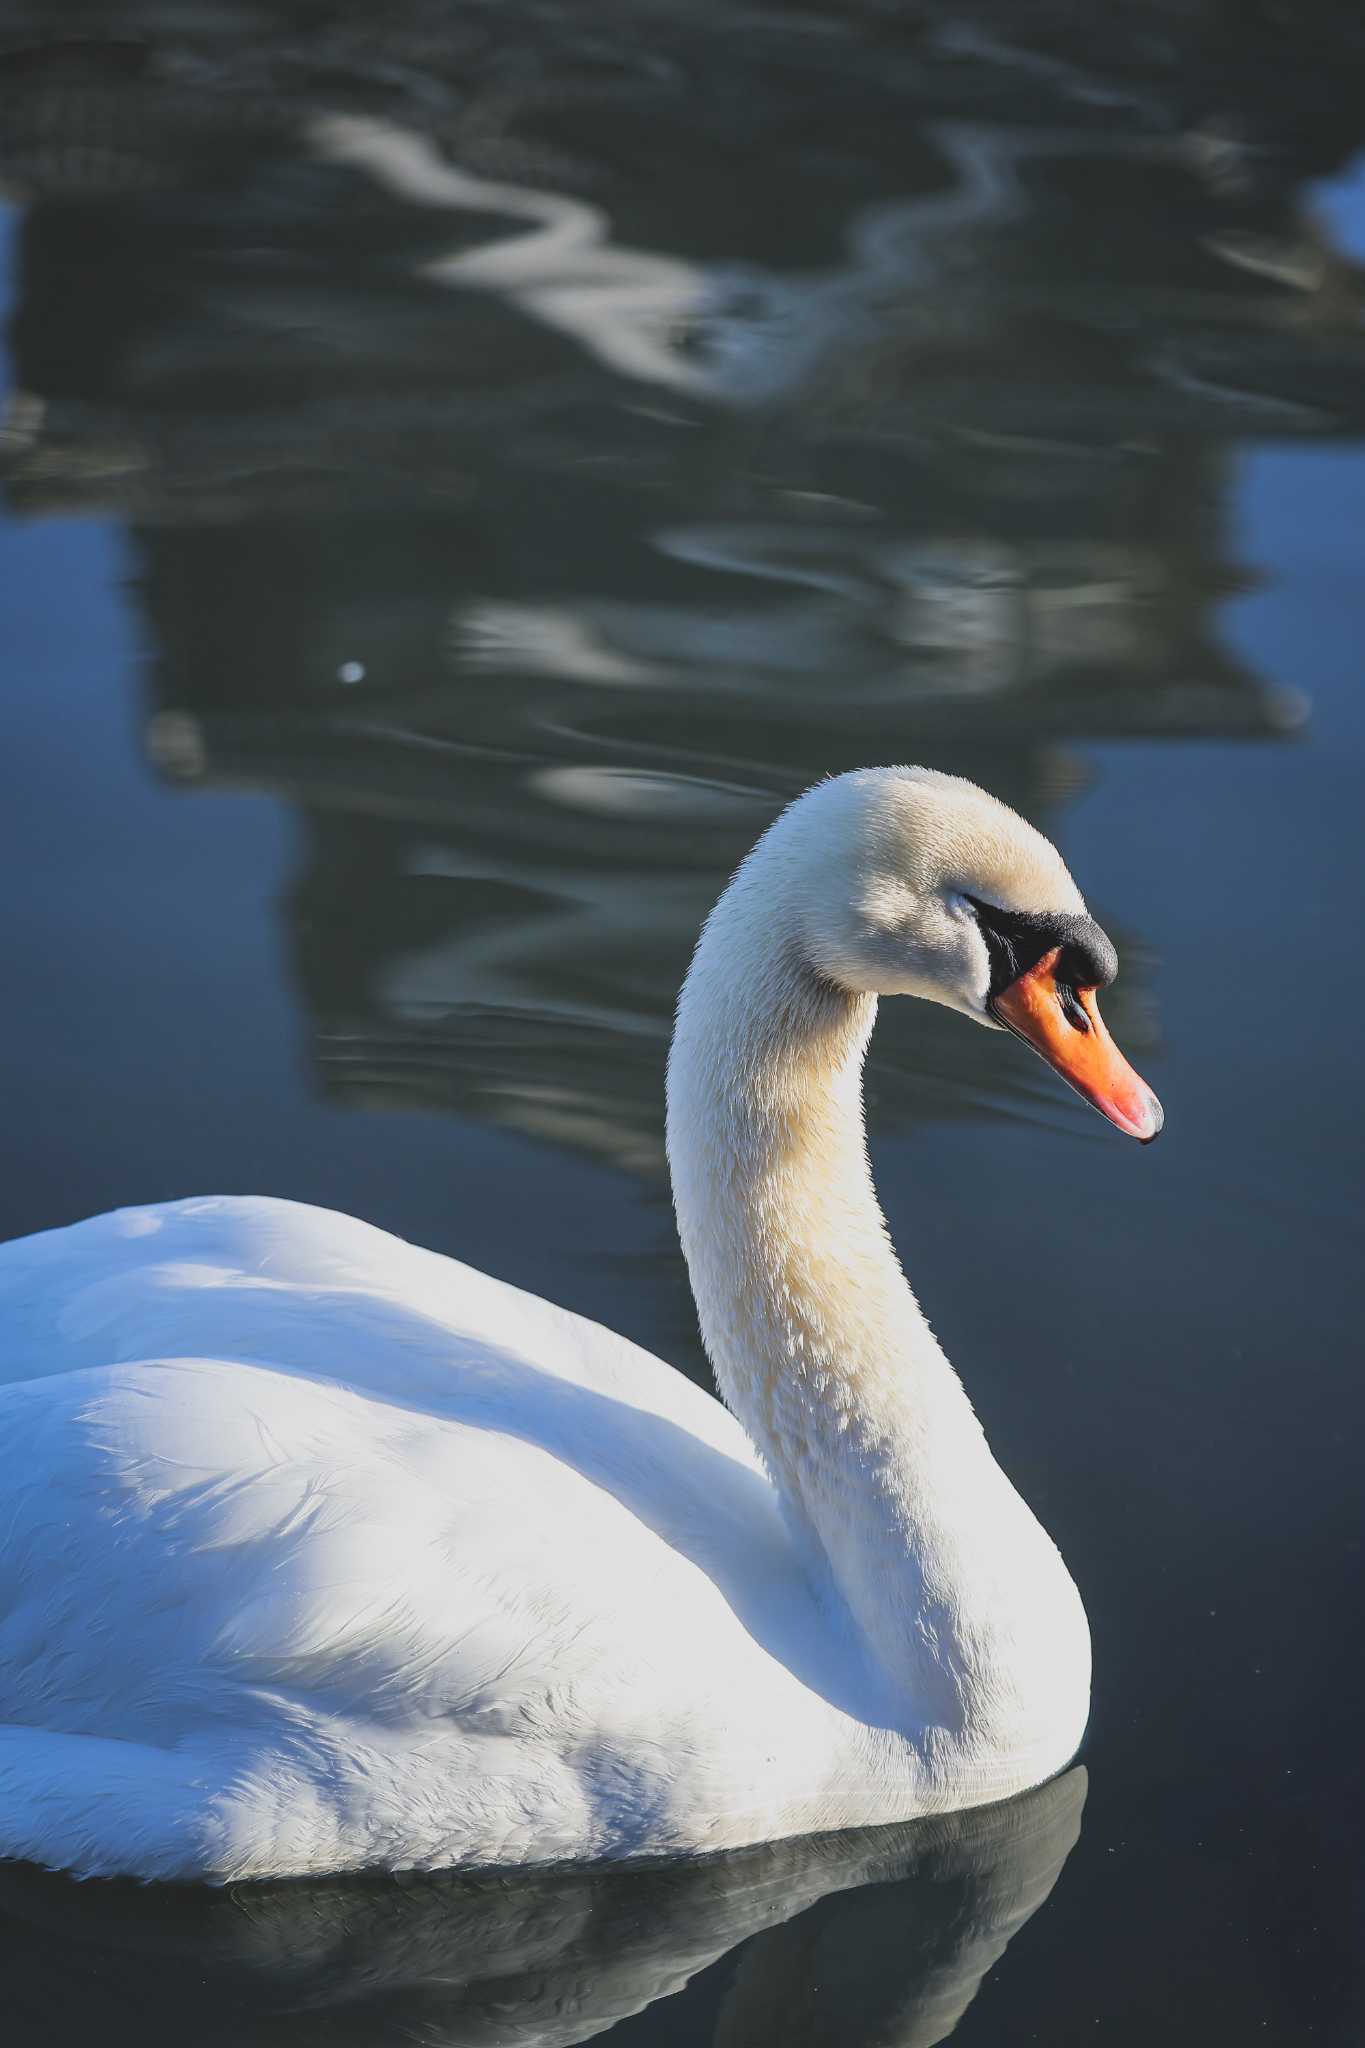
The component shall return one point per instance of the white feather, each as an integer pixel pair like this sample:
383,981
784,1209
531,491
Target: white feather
321,1552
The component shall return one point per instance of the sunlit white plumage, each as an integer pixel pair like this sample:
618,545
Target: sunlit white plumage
322,1552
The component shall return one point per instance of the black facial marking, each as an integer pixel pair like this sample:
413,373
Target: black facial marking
1017,940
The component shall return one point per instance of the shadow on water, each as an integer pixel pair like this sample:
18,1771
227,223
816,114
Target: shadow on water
878,1938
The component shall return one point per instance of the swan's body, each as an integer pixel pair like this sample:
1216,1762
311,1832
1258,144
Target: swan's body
322,1552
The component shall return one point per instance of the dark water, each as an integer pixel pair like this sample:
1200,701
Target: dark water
465,467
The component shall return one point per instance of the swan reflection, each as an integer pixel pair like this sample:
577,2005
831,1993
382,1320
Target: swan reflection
878,1938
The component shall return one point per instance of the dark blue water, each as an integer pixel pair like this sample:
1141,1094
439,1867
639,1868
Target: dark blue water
464,469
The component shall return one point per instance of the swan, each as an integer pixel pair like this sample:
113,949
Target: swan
323,1553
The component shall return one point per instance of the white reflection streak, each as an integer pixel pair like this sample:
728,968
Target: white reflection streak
543,640
901,255
891,240
624,306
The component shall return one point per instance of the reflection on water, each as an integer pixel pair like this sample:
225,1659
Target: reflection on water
876,1940
536,524
546,437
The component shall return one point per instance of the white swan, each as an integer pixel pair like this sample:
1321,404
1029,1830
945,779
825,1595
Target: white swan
323,1553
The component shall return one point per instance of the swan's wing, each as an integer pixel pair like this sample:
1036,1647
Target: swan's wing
318,1299
310,1292
183,1524
307,1629
417,1561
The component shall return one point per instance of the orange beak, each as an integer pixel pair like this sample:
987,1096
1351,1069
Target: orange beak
1065,1026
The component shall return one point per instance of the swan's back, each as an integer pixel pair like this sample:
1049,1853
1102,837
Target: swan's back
310,1292
324,1551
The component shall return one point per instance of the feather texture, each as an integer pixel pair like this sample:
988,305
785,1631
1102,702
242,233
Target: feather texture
322,1552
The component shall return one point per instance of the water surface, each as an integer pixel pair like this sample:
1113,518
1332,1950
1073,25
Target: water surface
460,479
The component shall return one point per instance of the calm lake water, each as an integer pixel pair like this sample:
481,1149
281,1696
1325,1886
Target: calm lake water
465,467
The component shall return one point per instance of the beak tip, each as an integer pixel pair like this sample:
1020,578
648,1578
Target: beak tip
1156,1118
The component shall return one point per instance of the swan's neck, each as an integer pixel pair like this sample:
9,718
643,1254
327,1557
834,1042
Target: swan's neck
823,1353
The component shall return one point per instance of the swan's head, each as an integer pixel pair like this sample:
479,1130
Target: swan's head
902,881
